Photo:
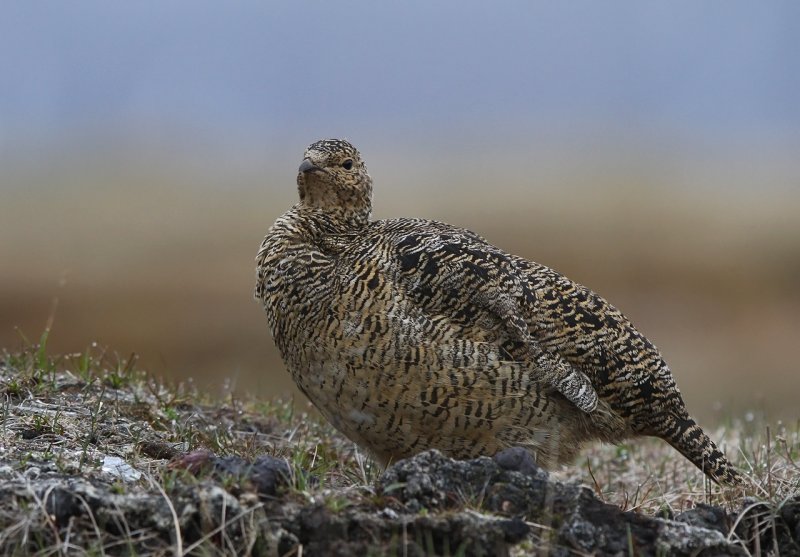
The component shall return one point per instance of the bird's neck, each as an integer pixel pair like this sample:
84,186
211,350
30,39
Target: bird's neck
314,222
336,218
344,207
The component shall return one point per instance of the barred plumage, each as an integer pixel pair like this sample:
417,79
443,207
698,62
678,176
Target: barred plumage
410,334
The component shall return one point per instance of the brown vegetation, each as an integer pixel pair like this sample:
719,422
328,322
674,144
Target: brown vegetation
158,259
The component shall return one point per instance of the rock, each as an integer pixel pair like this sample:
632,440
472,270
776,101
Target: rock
517,459
356,531
707,516
155,448
265,475
432,481
88,509
61,504
425,505
770,529
269,473
572,517
116,467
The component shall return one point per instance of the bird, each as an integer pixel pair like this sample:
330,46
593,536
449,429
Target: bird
410,334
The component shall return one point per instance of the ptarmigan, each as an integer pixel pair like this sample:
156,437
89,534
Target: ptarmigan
411,334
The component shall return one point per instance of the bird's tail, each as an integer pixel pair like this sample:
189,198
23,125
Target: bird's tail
683,433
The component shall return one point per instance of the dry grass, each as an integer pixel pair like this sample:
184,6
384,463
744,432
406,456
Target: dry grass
64,416
649,476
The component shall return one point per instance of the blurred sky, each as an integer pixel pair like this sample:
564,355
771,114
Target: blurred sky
684,75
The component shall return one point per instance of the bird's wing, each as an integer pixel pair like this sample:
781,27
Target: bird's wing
455,273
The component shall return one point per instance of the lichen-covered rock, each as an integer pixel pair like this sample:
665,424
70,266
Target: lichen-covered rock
362,531
265,475
425,505
573,519
143,520
707,516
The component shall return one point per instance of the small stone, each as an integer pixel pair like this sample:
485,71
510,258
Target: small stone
518,459
116,467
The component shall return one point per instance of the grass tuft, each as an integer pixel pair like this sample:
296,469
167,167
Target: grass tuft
67,415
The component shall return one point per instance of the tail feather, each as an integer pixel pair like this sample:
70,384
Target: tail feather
691,441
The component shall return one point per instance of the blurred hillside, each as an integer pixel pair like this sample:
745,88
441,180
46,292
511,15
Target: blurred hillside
154,255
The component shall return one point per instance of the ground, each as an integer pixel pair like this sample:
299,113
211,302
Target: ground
97,457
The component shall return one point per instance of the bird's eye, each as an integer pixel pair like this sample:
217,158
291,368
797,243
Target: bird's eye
348,164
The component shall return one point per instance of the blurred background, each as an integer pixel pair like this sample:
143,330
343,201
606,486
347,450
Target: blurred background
647,150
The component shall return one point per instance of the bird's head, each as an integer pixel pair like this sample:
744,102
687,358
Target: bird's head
332,177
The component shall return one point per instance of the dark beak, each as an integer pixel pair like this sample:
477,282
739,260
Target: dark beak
308,166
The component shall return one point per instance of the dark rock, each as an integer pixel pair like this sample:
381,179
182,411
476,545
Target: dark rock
32,432
790,514
264,476
771,529
573,517
432,481
269,473
355,531
158,449
707,516
425,505
61,505
518,459
514,530
88,509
